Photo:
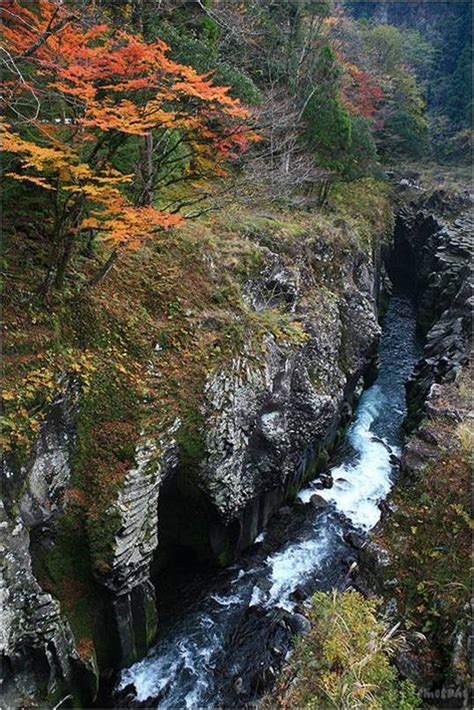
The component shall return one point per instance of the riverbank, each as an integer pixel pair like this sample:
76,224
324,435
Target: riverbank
417,560
428,540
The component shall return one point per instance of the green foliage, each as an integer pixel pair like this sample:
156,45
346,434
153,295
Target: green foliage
429,536
328,130
197,47
403,129
344,662
435,40
361,154
459,100
404,134
385,44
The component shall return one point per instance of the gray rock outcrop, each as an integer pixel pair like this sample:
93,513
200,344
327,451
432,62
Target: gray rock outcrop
37,644
432,255
266,419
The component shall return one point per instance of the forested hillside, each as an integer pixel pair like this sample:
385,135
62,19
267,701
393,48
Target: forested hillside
447,70
201,206
311,96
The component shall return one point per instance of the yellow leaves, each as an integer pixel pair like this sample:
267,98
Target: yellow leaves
125,116
26,402
31,178
331,21
130,226
89,223
110,84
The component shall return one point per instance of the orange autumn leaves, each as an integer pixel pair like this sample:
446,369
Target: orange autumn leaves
73,88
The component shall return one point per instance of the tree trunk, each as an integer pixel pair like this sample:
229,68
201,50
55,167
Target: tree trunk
137,14
63,262
53,260
324,192
147,169
102,273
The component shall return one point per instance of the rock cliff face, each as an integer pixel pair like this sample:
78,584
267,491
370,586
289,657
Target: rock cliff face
131,545
431,252
38,647
266,421
269,419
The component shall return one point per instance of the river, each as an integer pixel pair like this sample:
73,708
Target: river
224,637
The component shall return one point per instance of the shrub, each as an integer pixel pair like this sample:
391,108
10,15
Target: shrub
344,661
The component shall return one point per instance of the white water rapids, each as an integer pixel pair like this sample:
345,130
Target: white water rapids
186,668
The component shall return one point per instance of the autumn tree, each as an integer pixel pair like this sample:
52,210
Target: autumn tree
78,91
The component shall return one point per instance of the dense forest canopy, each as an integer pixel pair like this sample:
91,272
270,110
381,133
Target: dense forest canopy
447,27
120,117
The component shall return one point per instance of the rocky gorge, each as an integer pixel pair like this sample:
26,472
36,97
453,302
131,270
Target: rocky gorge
432,253
203,488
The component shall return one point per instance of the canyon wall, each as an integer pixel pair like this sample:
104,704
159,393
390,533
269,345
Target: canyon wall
206,485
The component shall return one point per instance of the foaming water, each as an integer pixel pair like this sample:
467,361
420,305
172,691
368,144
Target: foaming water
214,643
362,481
288,568
360,485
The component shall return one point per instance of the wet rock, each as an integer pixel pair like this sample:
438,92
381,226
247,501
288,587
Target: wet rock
299,594
324,480
318,501
355,539
299,624
382,443
349,560
385,508
239,686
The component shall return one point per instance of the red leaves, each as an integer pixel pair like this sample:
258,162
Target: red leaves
96,83
360,92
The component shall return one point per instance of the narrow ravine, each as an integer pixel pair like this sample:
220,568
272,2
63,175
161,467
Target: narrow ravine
226,644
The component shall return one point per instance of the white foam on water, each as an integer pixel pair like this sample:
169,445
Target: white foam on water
257,598
150,675
225,600
288,568
160,671
360,485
